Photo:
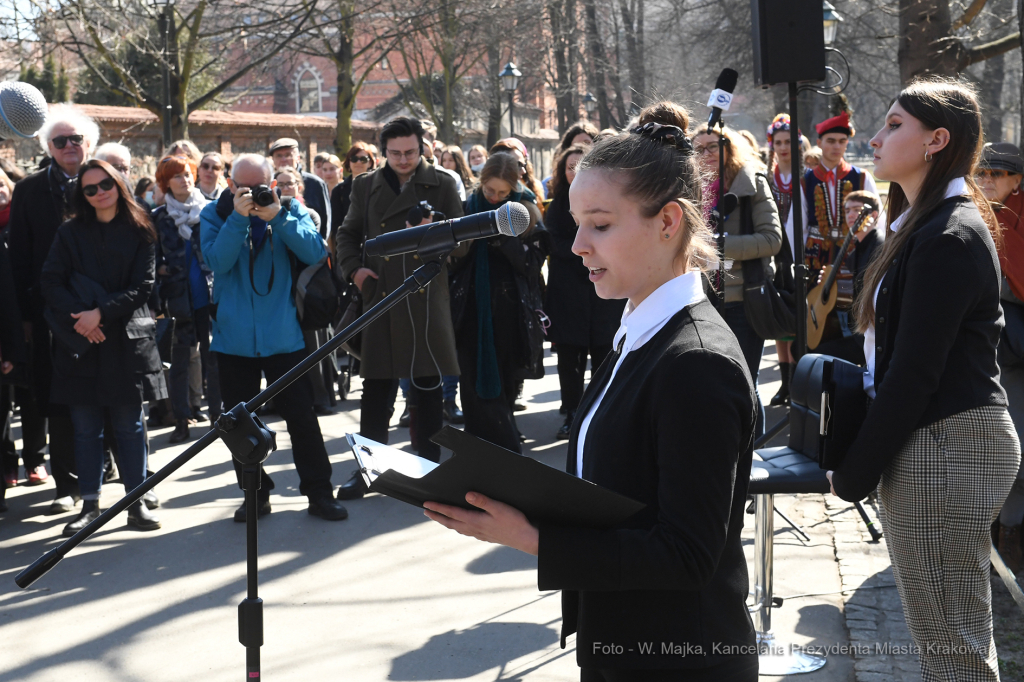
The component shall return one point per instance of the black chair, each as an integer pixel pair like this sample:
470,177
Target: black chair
790,469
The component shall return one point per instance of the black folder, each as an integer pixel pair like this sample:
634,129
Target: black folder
544,494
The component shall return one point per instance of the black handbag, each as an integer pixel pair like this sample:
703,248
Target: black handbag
770,310
844,405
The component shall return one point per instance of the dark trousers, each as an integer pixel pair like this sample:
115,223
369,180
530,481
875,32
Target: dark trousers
187,333
240,381
8,453
34,428
572,368
752,347
489,419
90,424
378,402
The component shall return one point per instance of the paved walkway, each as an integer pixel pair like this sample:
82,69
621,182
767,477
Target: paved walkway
382,595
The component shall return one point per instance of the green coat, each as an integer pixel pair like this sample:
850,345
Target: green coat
389,346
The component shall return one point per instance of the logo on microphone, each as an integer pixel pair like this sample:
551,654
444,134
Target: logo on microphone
720,99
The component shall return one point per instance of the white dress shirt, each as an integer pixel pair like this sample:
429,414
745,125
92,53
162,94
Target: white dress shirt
638,326
955,188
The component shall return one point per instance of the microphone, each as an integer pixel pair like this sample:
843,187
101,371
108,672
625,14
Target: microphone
721,96
22,110
511,220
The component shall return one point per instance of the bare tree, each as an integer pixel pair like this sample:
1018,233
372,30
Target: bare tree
234,40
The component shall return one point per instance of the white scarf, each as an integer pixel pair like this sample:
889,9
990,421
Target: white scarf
186,214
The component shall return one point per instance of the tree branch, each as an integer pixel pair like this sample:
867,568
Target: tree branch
969,15
980,53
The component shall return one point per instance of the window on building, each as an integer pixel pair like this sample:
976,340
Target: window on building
309,93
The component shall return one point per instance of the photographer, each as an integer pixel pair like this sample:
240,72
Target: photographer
415,339
256,326
285,153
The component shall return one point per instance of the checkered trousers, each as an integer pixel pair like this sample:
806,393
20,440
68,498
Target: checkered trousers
940,496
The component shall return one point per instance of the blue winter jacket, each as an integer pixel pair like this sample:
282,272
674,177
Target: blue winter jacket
248,324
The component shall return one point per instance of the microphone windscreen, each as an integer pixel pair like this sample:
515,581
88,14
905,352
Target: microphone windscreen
513,219
727,80
22,110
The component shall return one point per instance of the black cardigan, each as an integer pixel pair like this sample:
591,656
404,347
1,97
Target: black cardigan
675,431
937,325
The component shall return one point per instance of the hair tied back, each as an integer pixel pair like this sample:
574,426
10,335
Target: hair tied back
672,136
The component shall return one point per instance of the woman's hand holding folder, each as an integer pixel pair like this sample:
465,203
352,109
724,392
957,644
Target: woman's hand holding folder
497,522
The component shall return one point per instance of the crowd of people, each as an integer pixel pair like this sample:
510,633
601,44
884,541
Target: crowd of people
180,291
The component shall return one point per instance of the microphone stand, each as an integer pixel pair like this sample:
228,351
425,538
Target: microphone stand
250,443
719,214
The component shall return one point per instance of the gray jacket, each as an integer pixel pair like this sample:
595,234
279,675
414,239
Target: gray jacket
765,242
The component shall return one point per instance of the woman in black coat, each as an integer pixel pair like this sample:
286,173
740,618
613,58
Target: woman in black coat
668,420
486,291
582,323
358,160
96,281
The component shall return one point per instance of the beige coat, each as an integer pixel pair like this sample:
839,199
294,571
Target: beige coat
391,346
767,238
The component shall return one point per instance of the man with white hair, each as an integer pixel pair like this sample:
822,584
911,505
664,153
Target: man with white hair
118,156
256,327
38,207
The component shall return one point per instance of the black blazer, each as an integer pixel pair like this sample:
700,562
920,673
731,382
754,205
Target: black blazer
937,326
674,431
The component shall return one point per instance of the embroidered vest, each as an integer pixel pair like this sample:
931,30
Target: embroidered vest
826,222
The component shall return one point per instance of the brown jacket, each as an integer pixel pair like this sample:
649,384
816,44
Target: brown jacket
392,346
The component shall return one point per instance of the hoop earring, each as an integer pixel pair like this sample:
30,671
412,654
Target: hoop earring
927,157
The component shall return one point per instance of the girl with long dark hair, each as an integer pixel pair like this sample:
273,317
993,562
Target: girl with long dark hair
938,441
668,420
96,281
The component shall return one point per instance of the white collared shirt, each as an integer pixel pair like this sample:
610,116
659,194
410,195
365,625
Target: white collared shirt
638,326
955,188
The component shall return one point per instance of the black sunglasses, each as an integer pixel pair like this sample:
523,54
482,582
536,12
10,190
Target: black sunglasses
360,159
61,141
106,185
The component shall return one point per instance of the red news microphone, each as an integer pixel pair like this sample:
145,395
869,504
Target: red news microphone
721,96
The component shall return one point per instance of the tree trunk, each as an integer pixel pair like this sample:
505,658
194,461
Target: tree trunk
565,82
344,62
494,88
632,23
598,62
926,44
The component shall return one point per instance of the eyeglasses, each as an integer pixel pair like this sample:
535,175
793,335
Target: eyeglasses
61,141
409,154
360,159
709,149
210,167
122,169
106,185
990,173
283,183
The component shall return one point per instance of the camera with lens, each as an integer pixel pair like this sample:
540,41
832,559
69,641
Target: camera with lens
423,210
262,195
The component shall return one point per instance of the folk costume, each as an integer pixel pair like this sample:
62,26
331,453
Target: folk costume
825,191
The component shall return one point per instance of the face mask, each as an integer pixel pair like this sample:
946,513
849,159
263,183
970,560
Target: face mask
149,197
477,167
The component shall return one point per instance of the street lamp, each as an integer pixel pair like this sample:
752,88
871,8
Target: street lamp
166,27
831,21
589,104
510,81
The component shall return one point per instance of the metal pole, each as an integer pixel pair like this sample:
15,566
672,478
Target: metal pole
511,117
165,21
800,271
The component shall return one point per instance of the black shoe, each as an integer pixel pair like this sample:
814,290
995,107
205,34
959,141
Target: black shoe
403,421
139,517
90,511
780,398
322,411
3,505
62,505
352,489
197,414
453,414
566,429
180,434
262,509
518,406
327,508
151,500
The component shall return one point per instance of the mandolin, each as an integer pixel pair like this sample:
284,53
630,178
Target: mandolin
821,300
